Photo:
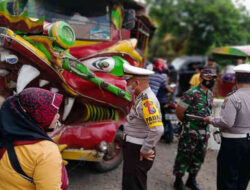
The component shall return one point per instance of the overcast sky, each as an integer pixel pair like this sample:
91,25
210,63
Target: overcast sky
244,2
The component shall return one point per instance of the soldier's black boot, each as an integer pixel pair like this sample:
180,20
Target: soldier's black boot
191,182
178,184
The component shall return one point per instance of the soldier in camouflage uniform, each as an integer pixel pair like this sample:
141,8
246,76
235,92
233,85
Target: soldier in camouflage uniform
193,139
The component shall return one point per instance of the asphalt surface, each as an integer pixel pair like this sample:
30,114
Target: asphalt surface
160,177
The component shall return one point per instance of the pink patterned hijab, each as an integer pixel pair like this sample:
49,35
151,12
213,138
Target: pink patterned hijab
41,105
27,115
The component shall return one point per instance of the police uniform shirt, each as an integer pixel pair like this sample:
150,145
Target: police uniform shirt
235,113
144,120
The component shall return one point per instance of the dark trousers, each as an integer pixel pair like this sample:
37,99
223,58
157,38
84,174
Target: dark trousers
233,164
134,175
162,104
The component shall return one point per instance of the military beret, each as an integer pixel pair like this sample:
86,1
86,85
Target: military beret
208,72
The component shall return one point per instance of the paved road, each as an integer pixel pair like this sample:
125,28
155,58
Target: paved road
160,176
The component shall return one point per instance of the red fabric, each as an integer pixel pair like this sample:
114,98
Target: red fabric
2,151
65,180
40,104
17,143
149,108
2,83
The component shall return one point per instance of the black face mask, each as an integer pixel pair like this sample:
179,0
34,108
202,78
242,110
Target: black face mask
47,130
208,83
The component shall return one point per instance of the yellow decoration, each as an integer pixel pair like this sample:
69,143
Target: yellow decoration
28,46
77,154
99,113
31,23
45,40
117,17
63,33
68,89
79,43
62,147
125,46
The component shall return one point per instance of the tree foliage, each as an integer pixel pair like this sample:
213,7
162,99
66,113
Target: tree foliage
189,27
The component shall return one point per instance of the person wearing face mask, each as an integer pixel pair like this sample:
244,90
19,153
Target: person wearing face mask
192,146
29,159
233,166
142,130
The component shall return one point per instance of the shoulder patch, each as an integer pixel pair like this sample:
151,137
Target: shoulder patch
224,103
151,114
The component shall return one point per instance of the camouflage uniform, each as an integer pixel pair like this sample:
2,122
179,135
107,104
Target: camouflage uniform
193,140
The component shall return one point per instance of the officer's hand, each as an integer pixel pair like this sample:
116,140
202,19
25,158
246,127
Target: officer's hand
150,156
207,119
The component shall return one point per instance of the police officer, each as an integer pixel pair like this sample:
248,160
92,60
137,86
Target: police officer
233,161
142,132
193,139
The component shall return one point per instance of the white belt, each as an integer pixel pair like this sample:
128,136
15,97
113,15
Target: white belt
134,140
231,135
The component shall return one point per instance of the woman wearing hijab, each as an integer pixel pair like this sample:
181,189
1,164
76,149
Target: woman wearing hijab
29,159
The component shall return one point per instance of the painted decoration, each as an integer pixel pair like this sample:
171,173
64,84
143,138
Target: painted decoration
117,16
63,33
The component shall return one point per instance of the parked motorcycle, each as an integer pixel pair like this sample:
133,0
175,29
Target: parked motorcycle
171,121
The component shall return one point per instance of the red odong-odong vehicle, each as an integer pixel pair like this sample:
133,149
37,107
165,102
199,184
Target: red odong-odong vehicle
81,50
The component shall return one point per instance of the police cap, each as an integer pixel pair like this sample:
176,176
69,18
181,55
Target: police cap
132,71
242,68
242,73
128,76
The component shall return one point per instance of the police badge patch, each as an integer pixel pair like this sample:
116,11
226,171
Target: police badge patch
150,106
151,114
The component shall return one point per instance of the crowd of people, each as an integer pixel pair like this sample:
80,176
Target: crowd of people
194,110
30,156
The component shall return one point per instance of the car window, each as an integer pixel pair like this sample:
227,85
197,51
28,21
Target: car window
189,66
177,63
184,64
192,65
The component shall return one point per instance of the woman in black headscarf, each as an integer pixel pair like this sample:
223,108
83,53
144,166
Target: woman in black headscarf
29,159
